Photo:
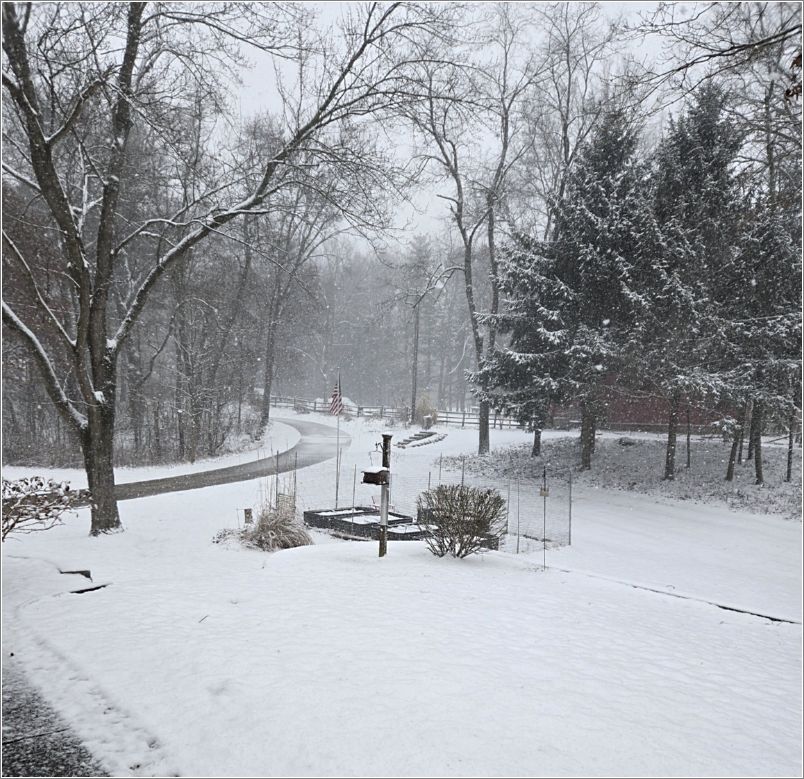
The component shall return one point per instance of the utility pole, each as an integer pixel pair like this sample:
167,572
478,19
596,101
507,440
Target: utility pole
384,493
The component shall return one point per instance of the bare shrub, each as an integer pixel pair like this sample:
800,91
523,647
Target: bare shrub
461,518
34,504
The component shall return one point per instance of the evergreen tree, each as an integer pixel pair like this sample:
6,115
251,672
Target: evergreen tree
571,302
761,322
688,254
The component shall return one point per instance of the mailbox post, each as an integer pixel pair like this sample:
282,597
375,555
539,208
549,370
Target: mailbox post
382,476
384,489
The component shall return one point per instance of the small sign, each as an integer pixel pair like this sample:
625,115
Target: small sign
544,492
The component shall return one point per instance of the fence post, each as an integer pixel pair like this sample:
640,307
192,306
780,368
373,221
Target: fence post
463,420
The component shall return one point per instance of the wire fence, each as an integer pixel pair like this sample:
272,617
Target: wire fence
538,514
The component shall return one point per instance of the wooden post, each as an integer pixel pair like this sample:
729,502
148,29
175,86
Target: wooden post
386,463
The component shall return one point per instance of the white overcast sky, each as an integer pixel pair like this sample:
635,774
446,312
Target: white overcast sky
257,94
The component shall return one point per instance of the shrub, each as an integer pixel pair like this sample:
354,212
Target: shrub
461,518
35,504
276,528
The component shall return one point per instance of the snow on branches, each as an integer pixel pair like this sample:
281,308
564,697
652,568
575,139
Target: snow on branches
34,503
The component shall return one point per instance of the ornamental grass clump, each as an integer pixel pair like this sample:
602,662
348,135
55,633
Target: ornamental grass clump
461,519
276,528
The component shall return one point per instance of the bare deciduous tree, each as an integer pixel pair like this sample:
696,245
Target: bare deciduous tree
77,79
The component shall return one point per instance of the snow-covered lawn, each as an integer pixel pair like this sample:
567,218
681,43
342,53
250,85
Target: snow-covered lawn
639,467
201,659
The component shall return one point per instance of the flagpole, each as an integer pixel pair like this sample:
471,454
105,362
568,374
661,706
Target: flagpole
338,441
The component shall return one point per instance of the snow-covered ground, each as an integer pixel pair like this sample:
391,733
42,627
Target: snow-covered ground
201,659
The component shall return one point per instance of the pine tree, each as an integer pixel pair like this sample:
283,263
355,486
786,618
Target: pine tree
761,320
688,253
571,301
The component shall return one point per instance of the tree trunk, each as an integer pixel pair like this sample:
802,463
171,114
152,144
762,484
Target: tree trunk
157,431
415,376
587,436
757,422
750,455
689,436
672,430
536,451
484,439
744,421
791,436
737,444
97,444
538,425
268,377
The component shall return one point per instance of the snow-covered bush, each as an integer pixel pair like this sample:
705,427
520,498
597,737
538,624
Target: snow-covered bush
35,503
276,528
461,519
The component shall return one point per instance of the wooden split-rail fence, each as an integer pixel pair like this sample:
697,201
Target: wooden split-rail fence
396,415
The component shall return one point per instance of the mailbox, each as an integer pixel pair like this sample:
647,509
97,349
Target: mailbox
376,475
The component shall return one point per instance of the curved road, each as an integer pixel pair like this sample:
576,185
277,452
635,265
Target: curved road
317,444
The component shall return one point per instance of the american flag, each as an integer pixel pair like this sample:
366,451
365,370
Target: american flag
336,402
